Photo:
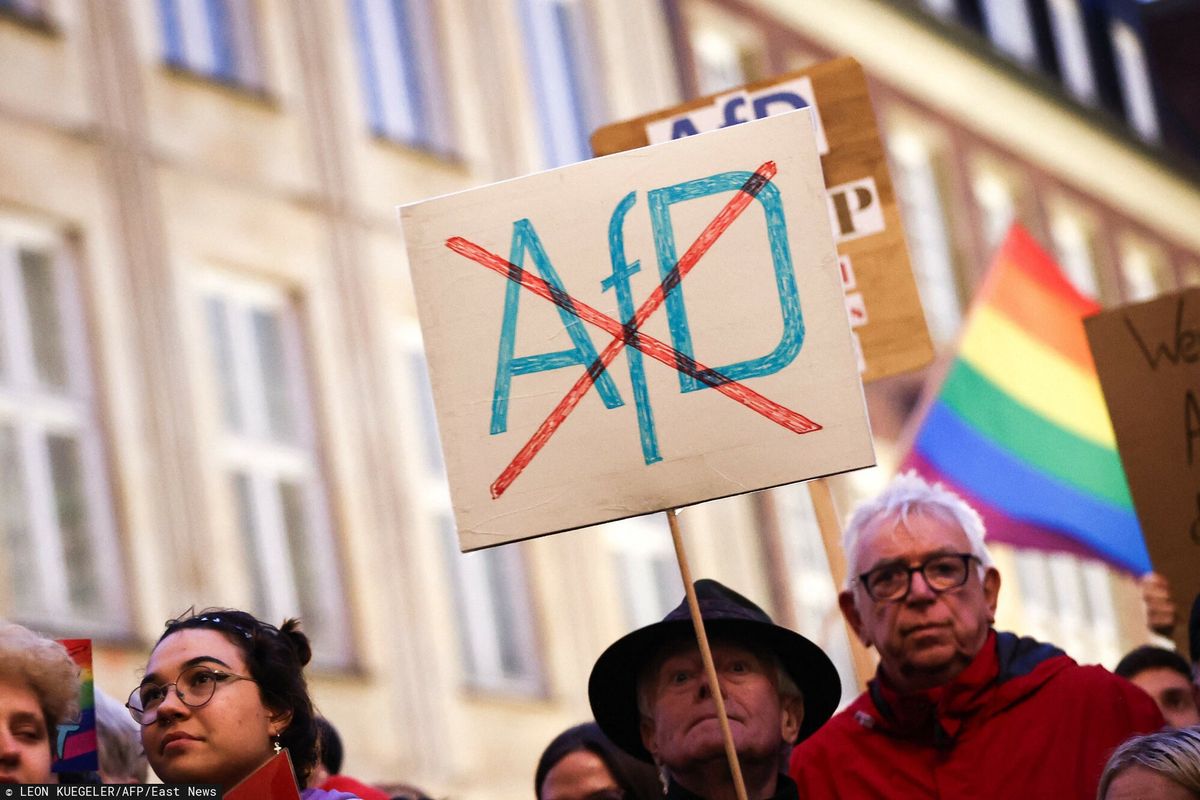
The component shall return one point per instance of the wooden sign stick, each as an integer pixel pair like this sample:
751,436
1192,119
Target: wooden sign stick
714,685
831,536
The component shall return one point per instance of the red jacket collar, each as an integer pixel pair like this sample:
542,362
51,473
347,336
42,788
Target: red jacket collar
1004,671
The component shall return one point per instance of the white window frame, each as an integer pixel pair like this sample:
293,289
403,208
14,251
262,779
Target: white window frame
215,39
269,462
483,584
35,412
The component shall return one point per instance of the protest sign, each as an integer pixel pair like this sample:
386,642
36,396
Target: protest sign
881,296
1148,359
77,737
637,332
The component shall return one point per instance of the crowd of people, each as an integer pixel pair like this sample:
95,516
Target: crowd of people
956,708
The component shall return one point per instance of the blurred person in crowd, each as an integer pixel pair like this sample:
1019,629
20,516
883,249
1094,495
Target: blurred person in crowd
951,694
39,688
582,764
119,740
223,693
404,791
328,772
1167,678
1163,766
650,695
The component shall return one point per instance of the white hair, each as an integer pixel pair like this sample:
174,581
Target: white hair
908,494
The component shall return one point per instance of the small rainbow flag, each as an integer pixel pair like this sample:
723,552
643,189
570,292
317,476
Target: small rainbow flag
77,738
1020,429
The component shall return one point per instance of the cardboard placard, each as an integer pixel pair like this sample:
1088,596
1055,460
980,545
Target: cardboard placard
1148,359
881,295
742,376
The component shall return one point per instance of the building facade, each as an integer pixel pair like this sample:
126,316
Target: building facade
212,389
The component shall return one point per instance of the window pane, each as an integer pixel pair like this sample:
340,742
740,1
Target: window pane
243,495
222,346
14,524
428,419
504,610
276,385
45,323
70,502
293,499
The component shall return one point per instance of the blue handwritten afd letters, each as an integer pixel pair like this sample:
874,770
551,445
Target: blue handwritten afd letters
525,240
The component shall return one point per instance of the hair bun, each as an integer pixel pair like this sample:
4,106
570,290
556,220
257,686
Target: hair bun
290,630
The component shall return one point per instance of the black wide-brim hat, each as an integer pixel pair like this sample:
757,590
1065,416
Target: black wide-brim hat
612,688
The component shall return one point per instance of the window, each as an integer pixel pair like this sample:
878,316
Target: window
215,39
997,209
268,453
816,597
1075,255
1144,269
1068,601
56,521
946,9
1010,28
1070,41
498,643
727,48
644,559
925,224
402,75
564,70
1135,82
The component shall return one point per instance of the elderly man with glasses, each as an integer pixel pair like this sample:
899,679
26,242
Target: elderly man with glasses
956,708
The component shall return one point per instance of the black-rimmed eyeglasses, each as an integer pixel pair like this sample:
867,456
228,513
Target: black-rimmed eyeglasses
893,581
194,687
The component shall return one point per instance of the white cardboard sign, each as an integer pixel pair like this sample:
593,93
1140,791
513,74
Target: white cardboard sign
637,332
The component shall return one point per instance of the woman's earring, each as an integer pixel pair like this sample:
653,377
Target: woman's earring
278,746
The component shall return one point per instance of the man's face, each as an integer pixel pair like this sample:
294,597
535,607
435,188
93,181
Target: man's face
25,754
925,638
1174,694
683,731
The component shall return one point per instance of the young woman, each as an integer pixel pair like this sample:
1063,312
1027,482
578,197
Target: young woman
223,693
39,688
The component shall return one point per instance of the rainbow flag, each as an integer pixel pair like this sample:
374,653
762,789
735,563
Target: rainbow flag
1020,429
77,738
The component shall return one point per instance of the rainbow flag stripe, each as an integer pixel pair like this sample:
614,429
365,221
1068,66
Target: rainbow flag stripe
1019,427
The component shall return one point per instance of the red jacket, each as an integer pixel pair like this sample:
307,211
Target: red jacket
1023,721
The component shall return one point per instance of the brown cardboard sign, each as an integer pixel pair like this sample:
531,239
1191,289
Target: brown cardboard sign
881,296
1148,359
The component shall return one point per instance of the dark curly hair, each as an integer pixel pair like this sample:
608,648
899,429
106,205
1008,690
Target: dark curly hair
276,658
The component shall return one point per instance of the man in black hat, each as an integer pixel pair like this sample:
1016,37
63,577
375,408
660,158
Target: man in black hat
650,694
